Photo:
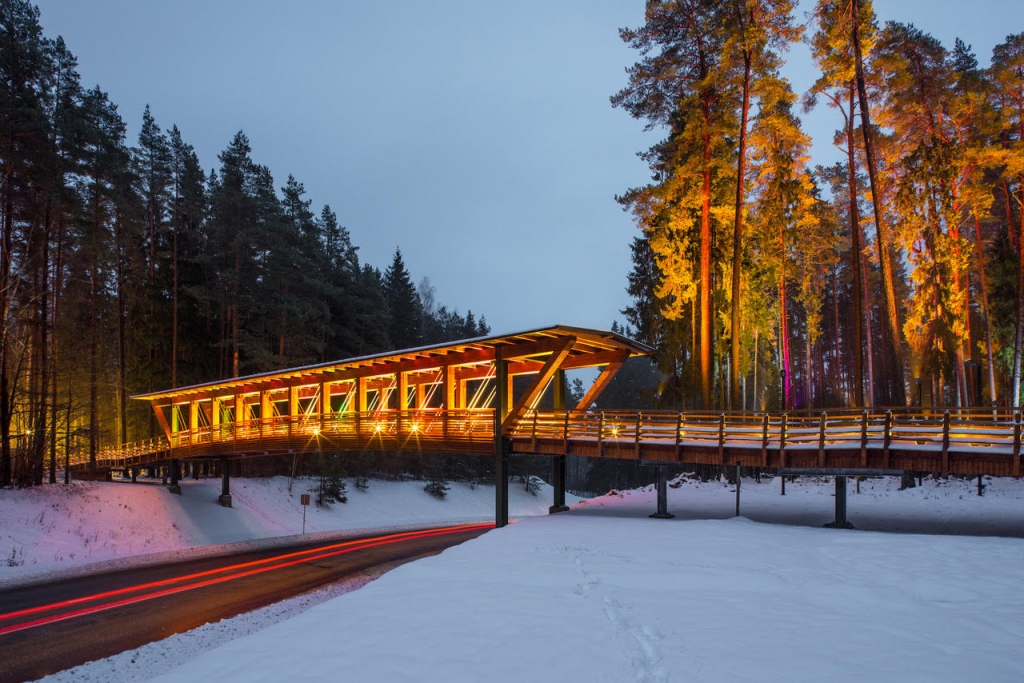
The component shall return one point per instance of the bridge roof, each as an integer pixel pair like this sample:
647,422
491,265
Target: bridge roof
587,348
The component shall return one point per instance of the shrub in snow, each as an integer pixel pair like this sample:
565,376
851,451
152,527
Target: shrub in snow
533,485
437,488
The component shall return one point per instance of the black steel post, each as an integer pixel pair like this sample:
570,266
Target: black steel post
135,474
174,487
783,478
558,461
225,483
840,521
662,512
501,409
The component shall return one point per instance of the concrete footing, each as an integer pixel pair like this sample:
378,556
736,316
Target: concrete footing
225,500
840,521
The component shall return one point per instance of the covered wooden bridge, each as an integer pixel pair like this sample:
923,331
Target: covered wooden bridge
505,394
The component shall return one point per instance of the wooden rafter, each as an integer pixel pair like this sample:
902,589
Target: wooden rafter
602,381
540,382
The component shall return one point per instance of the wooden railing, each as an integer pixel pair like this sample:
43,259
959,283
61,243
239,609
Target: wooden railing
452,430
992,433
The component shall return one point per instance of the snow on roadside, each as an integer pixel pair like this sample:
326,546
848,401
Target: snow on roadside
50,529
602,593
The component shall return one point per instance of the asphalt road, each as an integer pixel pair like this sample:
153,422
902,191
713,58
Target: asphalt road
52,627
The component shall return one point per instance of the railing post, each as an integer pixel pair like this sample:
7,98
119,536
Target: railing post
639,423
764,441
565,435
821,439
721,438
864,438
533,439
1016,444
600,435
782,442
886,439
945,442
679,434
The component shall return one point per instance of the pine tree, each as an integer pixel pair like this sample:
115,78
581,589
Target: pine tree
680,83
403,304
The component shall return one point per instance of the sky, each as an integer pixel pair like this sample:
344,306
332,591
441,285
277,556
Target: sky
475,136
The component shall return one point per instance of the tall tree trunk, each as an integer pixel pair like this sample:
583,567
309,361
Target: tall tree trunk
94,370
787,376
706,318
122,403
1018,345
6,245
856,254
737,238
984,309
894,394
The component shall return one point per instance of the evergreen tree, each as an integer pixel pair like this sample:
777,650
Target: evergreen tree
404,307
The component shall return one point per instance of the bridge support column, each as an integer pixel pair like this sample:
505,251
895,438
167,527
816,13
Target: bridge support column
174,487
225,483
662,512
558,461
501,445
840,522
558,485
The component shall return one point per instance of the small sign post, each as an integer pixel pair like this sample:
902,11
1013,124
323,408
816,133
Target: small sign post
304,499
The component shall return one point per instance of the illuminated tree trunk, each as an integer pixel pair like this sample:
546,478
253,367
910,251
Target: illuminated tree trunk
984,309
706,317
894,394
856,254
737,239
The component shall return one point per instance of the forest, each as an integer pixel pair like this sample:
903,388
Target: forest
127,268
765,282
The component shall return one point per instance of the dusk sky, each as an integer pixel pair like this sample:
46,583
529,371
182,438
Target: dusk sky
476,136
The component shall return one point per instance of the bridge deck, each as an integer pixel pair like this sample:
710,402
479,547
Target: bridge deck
968,442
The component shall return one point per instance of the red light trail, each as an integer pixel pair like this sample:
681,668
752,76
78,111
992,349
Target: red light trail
200,580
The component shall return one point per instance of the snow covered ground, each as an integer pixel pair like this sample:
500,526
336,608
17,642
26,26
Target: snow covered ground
602,593
51,529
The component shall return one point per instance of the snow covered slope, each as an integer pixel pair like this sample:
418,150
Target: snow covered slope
50,527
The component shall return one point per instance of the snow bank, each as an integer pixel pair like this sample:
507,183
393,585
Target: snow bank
59,528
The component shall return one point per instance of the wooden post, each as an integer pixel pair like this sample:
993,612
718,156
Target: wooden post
782,447
887,437
764,441
821,439
600,435
945,442
636,444
721,438
679,433
863,439
1016,444
293,409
